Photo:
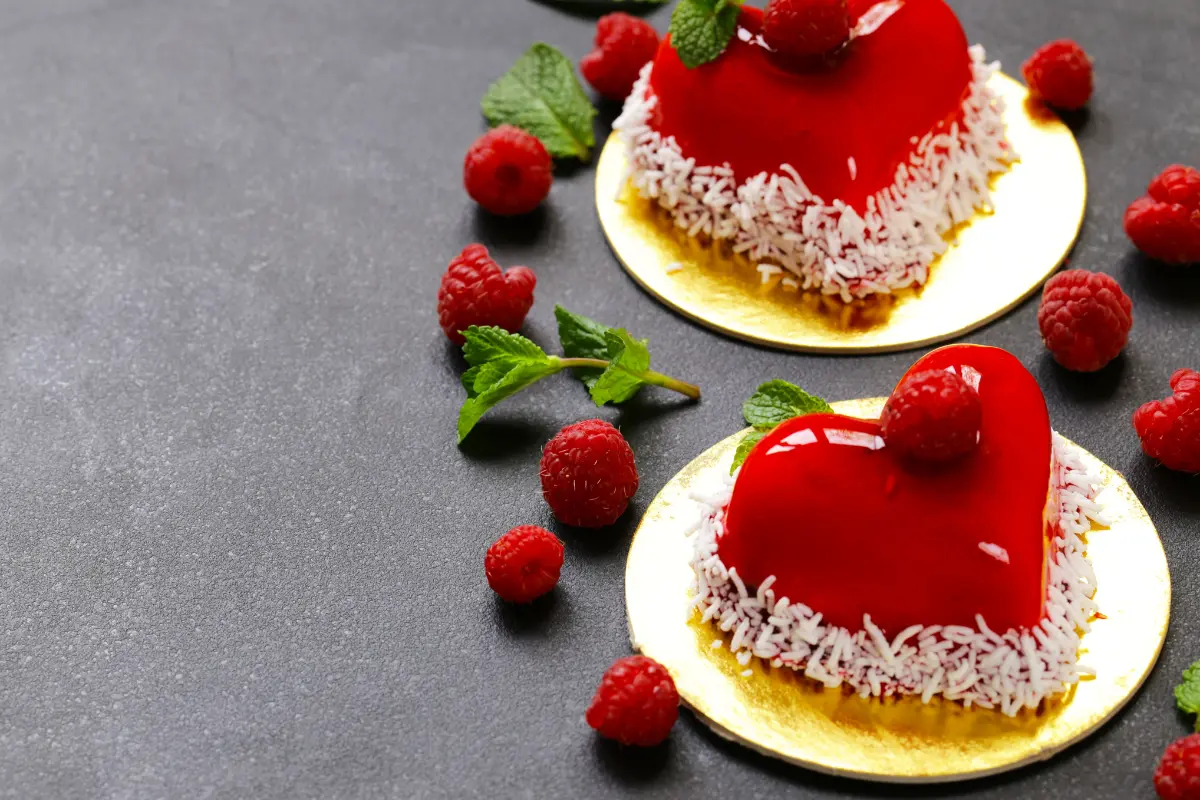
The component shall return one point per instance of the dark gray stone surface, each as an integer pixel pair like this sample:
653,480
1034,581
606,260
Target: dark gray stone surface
240,555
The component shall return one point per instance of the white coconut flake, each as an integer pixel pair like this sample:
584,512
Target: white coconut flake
977,666
775,221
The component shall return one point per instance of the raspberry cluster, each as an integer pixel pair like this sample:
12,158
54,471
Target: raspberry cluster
588,474
1085,319
1170,428
1060,73
932,416
1165,223
474,291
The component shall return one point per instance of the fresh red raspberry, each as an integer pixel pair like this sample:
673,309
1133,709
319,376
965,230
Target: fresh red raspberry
588,474
932,416
1061,74
624,44
1165,223
1177,184
1178,773
475,292
636,702
1085,319
806,28
524,563
1170,428
508,171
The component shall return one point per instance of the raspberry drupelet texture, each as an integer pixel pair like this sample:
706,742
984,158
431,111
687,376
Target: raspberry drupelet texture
624,44
588,474
1085,319
1177,184
636,702
1061,74
806,28
1165,223
508,171
1178,773
524,564
1170,428
475,292
932,416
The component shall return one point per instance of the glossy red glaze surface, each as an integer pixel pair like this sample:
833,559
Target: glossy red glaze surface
905,78
848,529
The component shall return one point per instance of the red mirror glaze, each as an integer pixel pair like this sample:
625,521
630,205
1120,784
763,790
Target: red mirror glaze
901,80
848,530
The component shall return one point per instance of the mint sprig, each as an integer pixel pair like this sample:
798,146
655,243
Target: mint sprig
701,29
540,94
1187,694
772,403
503,363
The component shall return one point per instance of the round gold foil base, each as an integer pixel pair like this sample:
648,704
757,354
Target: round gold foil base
782,714
998,261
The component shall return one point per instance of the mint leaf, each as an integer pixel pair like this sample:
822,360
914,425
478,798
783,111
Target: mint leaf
744,447
541,94
511,381
488,343
628,359
776,401
502,364
1187,694
701,29
582,338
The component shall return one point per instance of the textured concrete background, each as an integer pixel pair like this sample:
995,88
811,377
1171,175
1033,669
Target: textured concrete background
240,555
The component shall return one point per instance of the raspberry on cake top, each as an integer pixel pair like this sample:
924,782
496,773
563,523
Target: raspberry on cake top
833,555
845,172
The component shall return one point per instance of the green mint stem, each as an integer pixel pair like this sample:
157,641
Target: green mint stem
649,376
570,363
675,385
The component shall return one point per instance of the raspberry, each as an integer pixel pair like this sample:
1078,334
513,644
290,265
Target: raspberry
1170,428
507,171
636,702
588,474
624,44
1061,74
524,563
806,28
475,292
932,416
1177,184
1165,223
1178,773
1085,319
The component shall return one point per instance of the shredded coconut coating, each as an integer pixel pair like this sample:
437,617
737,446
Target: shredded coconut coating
776,222
977,666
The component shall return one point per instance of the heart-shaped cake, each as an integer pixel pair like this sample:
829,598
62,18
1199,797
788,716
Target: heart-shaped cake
842,175
835,555
850,529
